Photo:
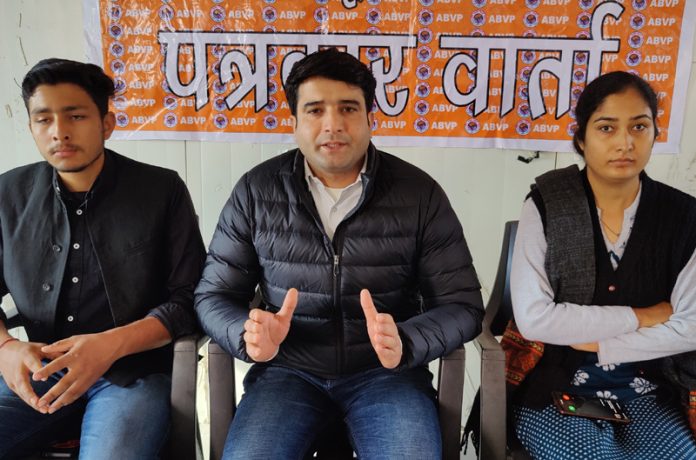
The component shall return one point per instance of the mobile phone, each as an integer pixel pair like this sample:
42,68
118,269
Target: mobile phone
589,407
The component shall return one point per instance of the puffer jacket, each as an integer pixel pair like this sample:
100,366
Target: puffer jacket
403,242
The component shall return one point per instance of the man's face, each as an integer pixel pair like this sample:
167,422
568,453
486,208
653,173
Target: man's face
68,128
332,129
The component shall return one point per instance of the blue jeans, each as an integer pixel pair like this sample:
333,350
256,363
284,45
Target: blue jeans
116,422
388,414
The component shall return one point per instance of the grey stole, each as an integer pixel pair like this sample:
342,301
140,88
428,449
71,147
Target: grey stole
570,254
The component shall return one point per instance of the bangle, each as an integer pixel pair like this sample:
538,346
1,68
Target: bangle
6,341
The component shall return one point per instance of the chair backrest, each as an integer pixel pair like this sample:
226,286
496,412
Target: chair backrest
489,417
499,307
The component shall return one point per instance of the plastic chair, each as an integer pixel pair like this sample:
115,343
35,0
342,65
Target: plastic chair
493,405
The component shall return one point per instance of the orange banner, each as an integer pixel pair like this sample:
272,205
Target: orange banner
464,73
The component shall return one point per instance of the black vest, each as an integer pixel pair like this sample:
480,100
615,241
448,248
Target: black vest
661,242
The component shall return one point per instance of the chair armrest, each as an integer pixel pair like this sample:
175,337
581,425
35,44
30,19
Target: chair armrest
182,438
450,390
222,397
493,395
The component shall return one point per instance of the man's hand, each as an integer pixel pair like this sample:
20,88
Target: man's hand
17,361
383,332
265,331
86,358
653,315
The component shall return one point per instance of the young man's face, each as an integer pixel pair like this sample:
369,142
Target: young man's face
68,128
332,129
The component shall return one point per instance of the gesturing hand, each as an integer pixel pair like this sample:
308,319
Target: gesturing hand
265,331
86,357
383,332
17,362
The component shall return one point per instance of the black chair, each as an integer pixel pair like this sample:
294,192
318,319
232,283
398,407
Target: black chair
334,444
493,408
181,444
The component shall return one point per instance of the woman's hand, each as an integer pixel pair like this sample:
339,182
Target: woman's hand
591,347
653,315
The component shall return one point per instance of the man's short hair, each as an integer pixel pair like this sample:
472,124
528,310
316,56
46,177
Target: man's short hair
53,71
335,65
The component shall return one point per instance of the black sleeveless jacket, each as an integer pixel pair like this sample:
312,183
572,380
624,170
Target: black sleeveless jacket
662,240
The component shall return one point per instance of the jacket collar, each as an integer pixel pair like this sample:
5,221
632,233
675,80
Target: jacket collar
297,172
373,160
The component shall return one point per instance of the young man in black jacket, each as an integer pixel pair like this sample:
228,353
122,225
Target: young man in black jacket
101,255
365,277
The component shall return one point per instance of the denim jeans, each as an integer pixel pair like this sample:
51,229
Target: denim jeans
388,414
116,422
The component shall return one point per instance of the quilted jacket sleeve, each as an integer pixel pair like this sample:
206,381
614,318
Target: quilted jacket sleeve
230,275
453,308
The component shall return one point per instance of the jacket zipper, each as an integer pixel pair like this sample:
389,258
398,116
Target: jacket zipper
340,352
335,249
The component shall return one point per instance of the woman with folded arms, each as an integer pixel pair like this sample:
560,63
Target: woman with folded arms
604,291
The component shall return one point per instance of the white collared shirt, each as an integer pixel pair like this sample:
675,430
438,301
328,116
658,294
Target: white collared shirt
334,204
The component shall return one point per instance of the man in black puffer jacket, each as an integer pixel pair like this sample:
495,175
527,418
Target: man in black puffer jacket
364,273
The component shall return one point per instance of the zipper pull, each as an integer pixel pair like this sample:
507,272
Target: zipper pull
335,266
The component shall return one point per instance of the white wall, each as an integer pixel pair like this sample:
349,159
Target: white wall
486,187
